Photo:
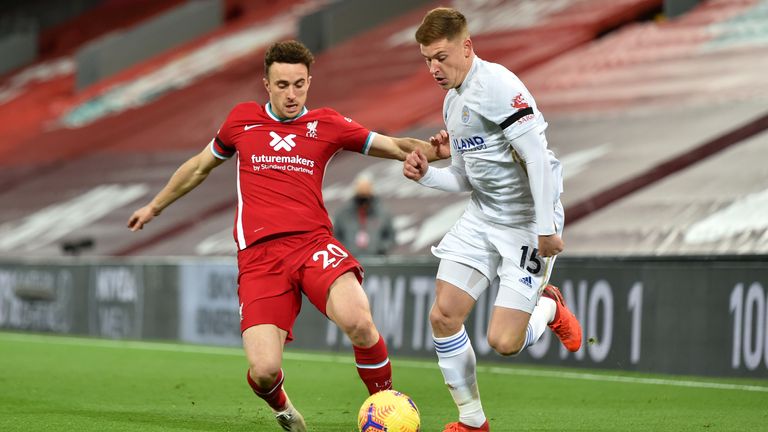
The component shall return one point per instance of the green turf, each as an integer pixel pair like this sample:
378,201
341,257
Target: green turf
50,383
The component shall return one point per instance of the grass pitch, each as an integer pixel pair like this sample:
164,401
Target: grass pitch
54,383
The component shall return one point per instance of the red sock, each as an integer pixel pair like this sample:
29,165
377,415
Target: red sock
373,366
274,395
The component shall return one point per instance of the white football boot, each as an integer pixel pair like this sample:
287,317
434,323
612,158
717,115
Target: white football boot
290,419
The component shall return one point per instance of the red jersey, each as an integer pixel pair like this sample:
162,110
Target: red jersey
280,166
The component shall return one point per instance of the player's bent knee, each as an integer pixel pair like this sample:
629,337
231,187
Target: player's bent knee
264,374
444,324
361,331
509,346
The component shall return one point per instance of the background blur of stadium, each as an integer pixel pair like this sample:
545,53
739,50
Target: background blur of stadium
658,110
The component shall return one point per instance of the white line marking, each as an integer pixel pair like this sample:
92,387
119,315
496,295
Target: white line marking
347,359
625,379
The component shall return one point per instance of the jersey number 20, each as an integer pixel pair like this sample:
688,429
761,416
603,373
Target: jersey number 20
331,257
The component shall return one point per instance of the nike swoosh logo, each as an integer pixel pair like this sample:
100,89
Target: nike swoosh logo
249,127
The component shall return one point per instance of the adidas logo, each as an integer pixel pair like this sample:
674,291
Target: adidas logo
527,281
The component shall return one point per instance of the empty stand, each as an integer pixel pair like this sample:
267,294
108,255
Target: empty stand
622,98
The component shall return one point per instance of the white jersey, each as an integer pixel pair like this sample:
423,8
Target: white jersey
514,178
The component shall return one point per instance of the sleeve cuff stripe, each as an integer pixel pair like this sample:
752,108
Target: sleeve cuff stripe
223,146
217,153
367,145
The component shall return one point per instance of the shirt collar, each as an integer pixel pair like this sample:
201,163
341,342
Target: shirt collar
274,116
472,70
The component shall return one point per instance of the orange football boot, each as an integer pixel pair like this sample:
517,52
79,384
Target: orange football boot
565,325
461,427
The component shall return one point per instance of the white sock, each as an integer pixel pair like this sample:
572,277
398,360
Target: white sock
543,314
457,361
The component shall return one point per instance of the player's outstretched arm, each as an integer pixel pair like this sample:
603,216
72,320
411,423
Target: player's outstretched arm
188,176
415,165
399,148
452,178
441,144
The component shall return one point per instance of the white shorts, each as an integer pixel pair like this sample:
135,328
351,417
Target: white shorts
508,254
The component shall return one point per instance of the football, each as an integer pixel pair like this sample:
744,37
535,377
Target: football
389,411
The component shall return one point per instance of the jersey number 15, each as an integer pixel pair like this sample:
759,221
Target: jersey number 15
534,264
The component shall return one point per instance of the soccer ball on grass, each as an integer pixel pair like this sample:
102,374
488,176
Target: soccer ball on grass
389,411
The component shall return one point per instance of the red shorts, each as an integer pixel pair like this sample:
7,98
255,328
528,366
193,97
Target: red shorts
274,274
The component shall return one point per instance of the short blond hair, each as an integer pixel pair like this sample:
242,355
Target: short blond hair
441,23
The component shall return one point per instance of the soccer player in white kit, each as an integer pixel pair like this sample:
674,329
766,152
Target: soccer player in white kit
511,229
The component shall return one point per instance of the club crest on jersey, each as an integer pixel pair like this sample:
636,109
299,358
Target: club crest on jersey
312,129
465,114
282,143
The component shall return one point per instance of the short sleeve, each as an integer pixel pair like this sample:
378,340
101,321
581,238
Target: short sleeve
352,135
222,145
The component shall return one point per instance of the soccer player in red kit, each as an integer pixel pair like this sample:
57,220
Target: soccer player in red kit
282,229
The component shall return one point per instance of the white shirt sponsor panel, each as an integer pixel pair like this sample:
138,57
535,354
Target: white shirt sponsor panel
498,145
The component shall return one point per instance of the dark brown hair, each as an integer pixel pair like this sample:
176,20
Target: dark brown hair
441,23
290,51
